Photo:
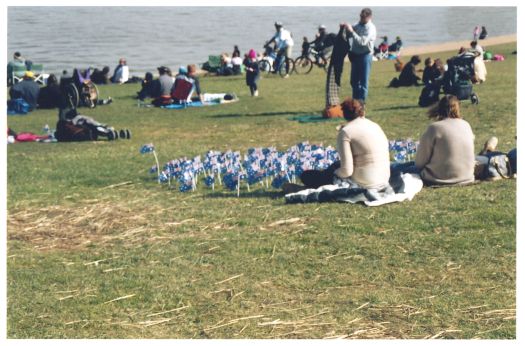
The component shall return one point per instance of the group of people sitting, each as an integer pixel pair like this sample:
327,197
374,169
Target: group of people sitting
445,155
230,66
120,74
386,50
435,69
168,89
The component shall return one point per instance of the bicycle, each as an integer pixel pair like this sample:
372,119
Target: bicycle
272,62
305,64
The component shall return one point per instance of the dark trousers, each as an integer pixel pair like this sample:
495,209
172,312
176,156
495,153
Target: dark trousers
313,179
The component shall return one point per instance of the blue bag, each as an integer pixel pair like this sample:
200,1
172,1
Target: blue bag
17,106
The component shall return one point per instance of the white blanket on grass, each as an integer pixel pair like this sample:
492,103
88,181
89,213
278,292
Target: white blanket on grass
401,188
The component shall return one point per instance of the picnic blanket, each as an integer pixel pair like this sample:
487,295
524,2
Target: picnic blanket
401,188
208,100
310,118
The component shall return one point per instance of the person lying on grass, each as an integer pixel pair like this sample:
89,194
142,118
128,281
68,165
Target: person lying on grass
363,150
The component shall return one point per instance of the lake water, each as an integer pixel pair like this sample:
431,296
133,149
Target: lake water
67,37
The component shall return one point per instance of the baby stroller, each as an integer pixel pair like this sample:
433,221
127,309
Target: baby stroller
457,78
79,89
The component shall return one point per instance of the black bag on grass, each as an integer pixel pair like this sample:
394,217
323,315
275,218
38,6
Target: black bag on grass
429,95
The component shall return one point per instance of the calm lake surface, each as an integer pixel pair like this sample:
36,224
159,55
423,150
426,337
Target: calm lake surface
68,37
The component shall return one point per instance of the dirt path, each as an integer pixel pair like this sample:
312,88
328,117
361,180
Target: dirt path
454,46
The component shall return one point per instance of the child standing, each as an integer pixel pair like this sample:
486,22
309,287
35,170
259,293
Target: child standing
305,48
252,72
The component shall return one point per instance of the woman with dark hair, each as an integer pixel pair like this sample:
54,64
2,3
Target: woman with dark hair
408,76
50,96
446,149
363,151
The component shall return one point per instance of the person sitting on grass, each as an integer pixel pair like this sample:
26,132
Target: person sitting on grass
50,96
164,85
445,154
27,90
185,85
408,76
148,88
101,76
363,151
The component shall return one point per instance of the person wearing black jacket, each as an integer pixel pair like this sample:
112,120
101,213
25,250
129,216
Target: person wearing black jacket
50,96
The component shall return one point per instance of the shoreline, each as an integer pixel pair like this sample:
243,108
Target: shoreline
455,45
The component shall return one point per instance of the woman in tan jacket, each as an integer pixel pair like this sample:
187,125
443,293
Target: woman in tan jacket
446,150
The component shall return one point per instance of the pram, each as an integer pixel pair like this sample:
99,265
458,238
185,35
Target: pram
457,80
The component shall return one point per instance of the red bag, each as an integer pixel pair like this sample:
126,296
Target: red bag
29,137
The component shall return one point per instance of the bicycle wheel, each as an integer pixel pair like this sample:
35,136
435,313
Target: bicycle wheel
282,68
264,66
303,65
72,96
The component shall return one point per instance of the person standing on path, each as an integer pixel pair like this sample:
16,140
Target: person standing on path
361,37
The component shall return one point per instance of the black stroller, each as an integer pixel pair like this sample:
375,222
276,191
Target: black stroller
457,80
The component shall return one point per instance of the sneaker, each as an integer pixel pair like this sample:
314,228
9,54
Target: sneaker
490,145
256,93
286,75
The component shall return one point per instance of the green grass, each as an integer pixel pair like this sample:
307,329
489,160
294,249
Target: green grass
442,265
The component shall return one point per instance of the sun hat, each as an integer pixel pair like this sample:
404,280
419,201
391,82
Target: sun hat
252,54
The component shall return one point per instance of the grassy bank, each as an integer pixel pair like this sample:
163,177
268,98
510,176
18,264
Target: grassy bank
97,249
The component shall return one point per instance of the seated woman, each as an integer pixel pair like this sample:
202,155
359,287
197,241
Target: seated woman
445,154
408,76
363,151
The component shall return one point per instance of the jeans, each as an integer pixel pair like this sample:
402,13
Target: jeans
361,65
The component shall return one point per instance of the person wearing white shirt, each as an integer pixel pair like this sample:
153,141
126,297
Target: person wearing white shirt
361,37
121,74
284,43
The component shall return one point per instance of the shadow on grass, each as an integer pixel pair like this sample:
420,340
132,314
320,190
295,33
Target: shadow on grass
265,114
396,107
244,194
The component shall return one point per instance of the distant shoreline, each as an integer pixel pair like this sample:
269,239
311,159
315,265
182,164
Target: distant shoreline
454,46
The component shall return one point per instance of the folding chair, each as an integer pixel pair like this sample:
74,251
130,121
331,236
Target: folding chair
18,73
183,91
38,70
